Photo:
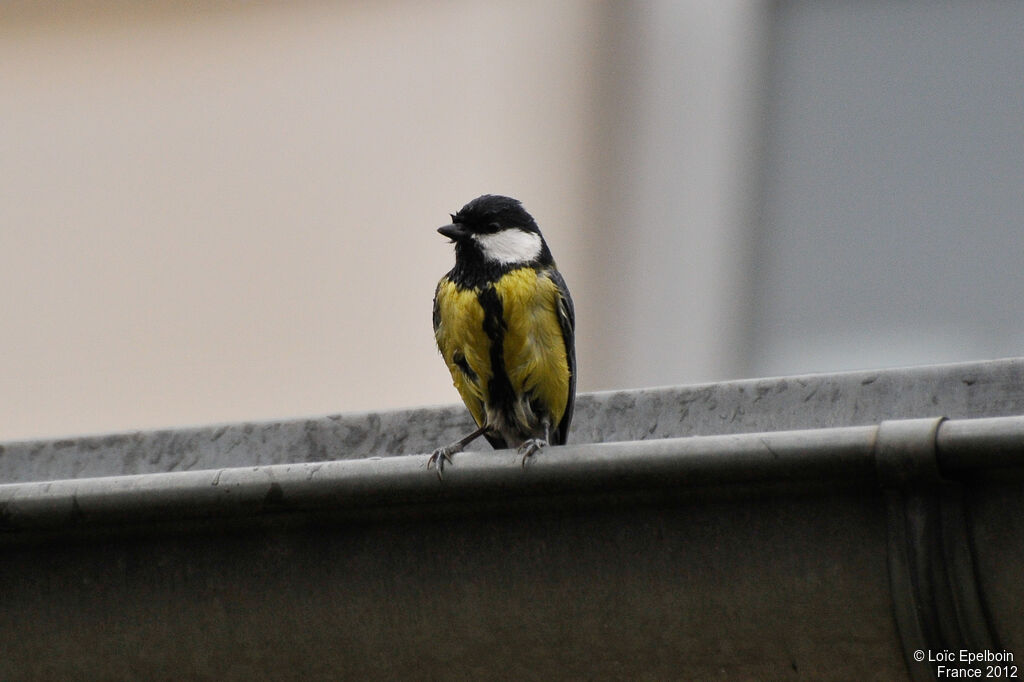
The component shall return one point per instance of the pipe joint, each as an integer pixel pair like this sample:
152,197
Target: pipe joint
905,452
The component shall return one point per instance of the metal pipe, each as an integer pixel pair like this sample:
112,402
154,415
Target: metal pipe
822,455
988,443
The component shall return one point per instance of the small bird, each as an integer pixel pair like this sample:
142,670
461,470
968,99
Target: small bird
505,325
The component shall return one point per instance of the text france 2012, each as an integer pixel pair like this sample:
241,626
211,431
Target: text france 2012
967,664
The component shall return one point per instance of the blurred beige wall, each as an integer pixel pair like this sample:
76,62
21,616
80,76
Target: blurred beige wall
223,212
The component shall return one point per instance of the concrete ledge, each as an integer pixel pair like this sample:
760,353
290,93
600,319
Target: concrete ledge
958,391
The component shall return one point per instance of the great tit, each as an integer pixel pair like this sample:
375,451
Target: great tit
505,325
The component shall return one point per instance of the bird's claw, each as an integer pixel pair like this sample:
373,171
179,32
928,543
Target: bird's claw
529,447
438,458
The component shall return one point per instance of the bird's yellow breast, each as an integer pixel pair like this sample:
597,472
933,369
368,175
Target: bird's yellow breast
533,350
460,335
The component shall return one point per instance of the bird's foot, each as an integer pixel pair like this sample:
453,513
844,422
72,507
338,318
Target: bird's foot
531,446
439,456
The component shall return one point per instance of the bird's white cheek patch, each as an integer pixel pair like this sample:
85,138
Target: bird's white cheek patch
509,246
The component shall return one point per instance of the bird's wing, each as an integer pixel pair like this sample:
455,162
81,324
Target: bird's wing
567,321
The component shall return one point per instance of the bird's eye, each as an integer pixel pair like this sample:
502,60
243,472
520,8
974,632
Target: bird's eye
493,227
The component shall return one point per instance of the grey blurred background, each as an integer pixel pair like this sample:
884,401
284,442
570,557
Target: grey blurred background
223,211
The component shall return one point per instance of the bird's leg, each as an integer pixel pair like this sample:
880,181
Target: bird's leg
445,453
532,445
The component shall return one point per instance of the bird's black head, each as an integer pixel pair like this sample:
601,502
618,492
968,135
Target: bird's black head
495,233
492,213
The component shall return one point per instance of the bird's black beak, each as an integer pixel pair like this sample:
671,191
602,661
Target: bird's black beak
455,232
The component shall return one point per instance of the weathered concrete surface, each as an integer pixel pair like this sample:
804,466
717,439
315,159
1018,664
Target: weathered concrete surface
965,390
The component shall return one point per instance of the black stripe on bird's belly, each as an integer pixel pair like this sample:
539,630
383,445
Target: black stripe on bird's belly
499,388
